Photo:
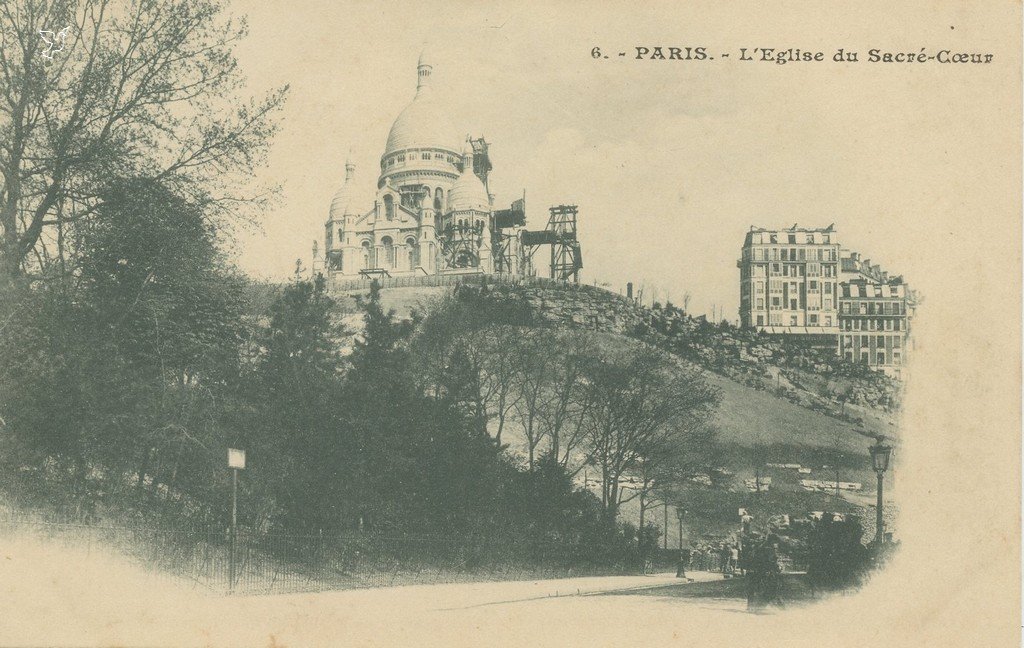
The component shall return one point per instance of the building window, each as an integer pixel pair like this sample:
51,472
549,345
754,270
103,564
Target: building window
828,320
366,255
760,304
814,285
881,357
792,320
792,238
760,320
813,320
389,252
389,207
413,252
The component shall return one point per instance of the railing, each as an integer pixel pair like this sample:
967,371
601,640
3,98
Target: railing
273,563
356,284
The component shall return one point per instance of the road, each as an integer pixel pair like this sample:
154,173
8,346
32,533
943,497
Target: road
55,596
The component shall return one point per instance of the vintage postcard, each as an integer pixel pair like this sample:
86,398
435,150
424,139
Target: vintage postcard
441,323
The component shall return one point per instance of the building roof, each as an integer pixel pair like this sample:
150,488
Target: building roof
341,203
468,192
799,330
424,123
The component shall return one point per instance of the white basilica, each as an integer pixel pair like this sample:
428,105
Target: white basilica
432,213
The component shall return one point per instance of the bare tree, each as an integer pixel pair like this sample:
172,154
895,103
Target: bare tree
666,464
535,363
562,411
494,352
145,88
637,402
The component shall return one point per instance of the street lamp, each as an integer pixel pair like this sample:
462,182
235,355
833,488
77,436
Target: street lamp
880,454
680,514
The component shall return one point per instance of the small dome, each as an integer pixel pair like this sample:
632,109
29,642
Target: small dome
341,203
424,123
468,192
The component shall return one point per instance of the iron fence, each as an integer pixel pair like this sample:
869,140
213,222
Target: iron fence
280,563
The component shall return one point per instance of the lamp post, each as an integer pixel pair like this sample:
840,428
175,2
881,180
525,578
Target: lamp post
880,454
680,514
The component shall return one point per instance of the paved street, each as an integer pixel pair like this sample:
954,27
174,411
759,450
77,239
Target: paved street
104,601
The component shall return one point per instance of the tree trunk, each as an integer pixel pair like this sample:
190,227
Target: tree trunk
643,510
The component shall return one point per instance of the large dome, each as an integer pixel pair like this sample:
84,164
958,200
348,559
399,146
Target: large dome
424,122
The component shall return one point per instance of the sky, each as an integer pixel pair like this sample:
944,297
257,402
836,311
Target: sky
670,162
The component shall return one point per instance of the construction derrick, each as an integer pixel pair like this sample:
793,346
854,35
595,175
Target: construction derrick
560,234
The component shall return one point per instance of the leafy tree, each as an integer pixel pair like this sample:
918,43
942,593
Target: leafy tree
142,88
119,368
293,409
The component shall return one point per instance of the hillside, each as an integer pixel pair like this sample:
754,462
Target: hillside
780,405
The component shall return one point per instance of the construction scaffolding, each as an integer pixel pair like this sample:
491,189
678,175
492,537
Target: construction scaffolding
560,234
460,243
481,161
505,247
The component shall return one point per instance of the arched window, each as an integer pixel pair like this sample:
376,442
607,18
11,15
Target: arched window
413,251
389,207
365,256
389,252
438,199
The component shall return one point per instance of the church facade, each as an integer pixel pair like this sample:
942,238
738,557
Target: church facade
432,213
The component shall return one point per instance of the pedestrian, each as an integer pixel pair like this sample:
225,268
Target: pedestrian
734,558
772,573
